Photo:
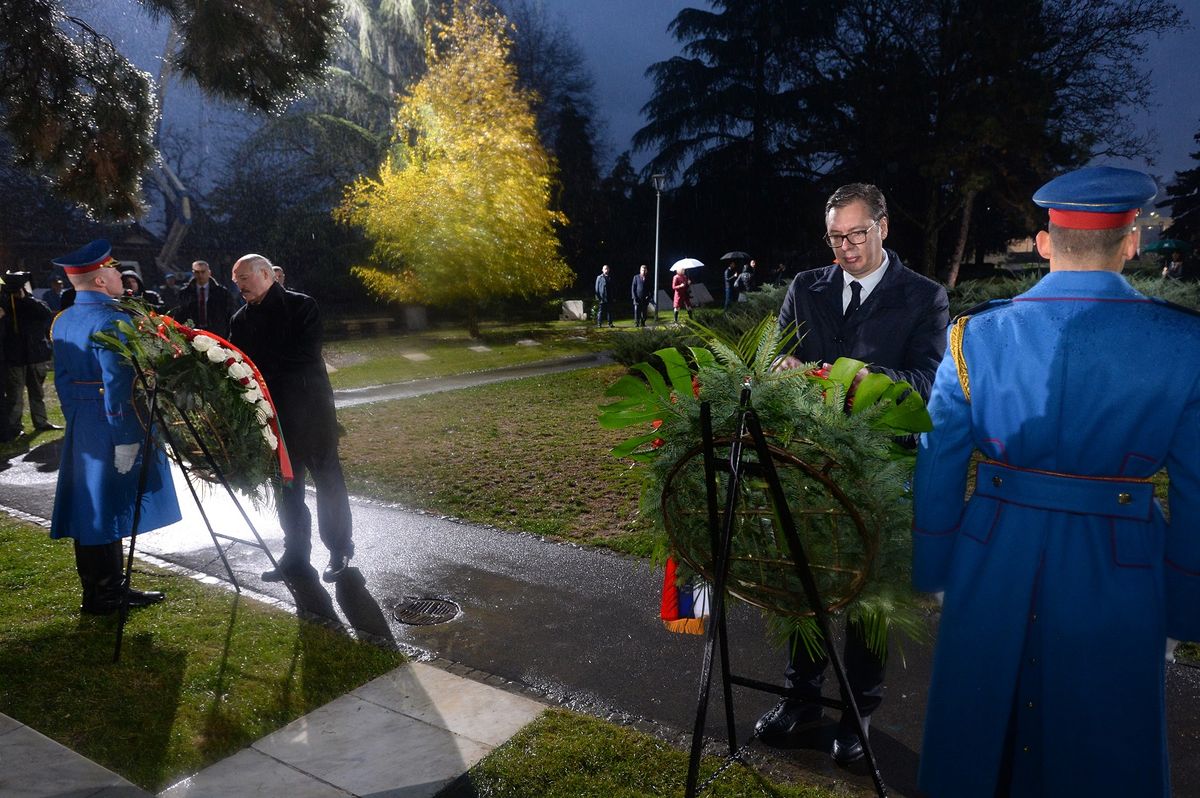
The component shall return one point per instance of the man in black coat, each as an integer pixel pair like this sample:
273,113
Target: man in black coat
280,331
205,302
27,356
604,296
640,291
869,307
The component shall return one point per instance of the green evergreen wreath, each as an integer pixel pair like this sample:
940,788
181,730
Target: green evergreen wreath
845,476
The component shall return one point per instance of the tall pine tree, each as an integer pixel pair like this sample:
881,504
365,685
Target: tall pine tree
1183,198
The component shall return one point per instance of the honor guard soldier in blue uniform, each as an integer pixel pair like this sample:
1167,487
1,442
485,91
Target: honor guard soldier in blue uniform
1063,582
98,473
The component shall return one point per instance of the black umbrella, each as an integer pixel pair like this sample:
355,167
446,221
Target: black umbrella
736,254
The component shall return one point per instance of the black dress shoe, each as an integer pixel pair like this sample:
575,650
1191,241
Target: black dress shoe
338,563
789,717
109,602
284,571
847,745
47,427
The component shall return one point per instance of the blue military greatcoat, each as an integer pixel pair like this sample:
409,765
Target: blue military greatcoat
1062,578
93,503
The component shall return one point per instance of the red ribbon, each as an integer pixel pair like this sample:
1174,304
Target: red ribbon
285,462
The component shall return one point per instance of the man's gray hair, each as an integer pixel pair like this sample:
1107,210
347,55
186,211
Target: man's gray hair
259,263
865,193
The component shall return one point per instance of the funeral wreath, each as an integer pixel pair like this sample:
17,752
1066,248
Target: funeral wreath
211,396
842,463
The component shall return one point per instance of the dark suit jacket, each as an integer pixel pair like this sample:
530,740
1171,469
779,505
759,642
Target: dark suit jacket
900,330
282,335
220,307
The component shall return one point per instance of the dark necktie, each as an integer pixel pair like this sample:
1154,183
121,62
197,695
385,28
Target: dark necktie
855,298
203,307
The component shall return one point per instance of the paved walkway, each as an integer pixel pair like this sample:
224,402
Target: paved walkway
405,390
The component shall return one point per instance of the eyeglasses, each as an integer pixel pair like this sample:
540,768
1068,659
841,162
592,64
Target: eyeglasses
855,237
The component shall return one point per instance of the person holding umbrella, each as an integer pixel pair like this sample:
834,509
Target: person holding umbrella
732,272
681,284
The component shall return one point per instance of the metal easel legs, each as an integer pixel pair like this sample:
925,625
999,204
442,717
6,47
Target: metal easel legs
722,534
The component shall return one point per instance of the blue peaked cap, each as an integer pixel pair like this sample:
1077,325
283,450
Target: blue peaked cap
1097,197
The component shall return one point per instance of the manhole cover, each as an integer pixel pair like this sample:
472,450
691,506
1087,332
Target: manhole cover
425,611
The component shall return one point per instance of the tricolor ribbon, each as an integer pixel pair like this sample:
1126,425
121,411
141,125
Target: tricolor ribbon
684,607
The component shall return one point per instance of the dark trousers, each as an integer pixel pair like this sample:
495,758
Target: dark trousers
864,670
639,312
17,381
603,309
333,508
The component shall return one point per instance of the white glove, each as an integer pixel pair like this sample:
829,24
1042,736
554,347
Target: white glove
940,597
123,456
1171,643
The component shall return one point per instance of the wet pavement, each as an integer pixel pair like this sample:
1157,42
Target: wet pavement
575,626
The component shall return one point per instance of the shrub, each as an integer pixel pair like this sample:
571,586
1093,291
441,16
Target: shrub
640,346
967,295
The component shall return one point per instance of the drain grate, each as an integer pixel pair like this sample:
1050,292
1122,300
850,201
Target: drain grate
425,611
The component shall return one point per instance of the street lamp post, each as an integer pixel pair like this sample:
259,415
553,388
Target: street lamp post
658,181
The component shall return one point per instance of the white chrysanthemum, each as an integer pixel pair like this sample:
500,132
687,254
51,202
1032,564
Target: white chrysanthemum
270,438
203,343
218,354
252,394
265,411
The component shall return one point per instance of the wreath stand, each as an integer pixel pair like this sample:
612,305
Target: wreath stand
749,430
155,415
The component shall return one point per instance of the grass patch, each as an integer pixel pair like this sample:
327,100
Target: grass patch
201,676
378,361
526,454
564,755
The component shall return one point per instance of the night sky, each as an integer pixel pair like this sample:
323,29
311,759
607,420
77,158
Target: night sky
620,38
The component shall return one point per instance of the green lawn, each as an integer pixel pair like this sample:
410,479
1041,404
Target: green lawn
201,676
526,454
564,755
361,362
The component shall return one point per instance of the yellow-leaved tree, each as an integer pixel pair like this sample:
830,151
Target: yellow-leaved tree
460,210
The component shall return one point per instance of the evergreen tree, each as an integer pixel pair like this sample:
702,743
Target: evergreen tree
947,105
79,111
1183,198
459,212
729,113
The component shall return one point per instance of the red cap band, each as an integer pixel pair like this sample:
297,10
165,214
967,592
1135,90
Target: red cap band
1091,220
107,260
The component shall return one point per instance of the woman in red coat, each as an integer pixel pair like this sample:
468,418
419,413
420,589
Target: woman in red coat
682,285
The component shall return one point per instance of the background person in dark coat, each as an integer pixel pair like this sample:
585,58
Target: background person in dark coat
205,302
27,355
280,331
604,296
135,288
640,291
867,306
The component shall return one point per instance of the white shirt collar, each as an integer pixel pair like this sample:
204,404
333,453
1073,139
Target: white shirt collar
868,283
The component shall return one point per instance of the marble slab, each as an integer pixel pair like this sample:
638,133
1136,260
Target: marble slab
468,708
